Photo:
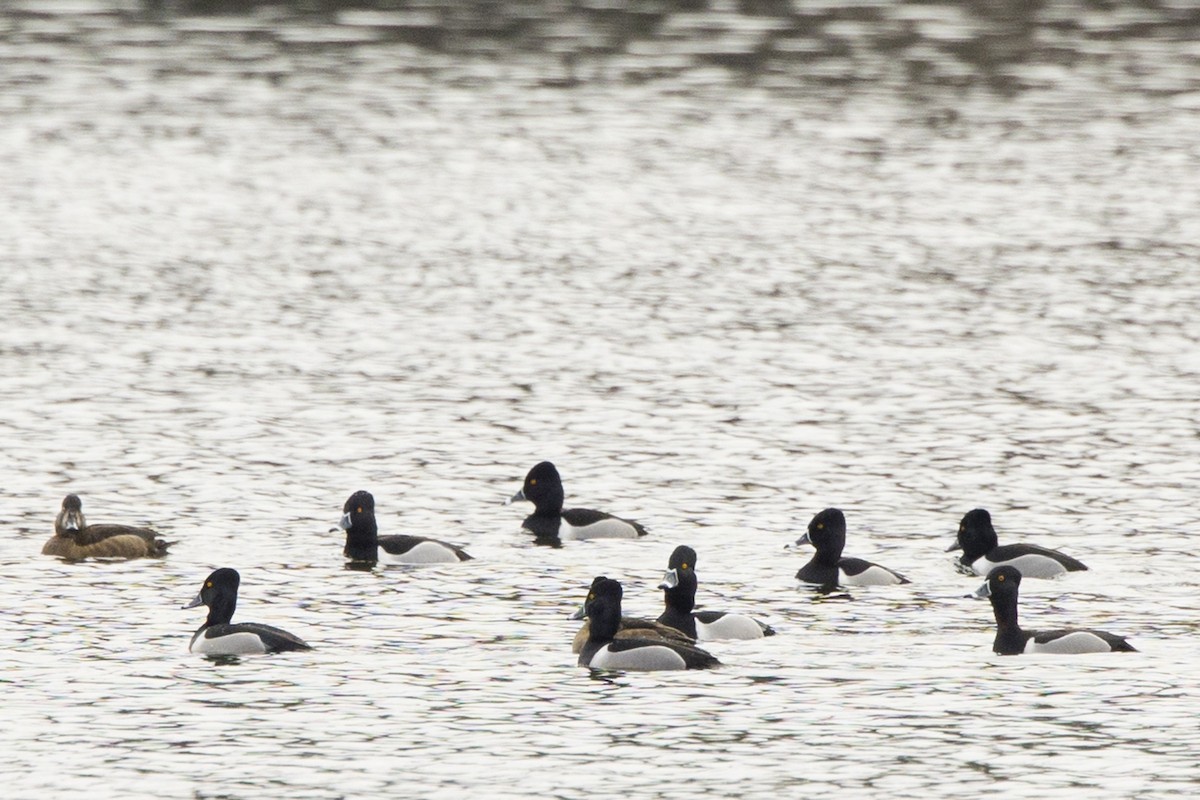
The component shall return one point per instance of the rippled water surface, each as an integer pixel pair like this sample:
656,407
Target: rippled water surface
725,264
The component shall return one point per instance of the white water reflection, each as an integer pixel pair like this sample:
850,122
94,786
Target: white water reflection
724,269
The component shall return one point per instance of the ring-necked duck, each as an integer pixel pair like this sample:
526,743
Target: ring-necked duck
603,651
363,541
219,637
1001,588
982,551
74,539
631,627
549,520
827,568
679,591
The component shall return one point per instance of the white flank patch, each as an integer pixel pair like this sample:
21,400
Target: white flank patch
641,658
604,529
235,644
1030,566
730,626
871,576
424,553
1072,643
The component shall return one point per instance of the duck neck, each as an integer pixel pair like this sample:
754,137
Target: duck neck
548,502
829,555
604,621
1005,609
1010,639
682,597
220,611
680,600
362,539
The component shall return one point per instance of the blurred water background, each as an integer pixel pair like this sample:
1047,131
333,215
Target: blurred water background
725,263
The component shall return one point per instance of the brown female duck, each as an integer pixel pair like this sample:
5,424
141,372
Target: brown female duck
74,539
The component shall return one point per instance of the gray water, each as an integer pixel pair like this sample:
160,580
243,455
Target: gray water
725,264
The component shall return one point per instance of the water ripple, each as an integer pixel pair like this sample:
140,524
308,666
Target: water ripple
725,265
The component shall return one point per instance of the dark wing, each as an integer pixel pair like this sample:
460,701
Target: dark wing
651,629
633,628
581,517
857,566
399,544
1008,552
98,533
276,640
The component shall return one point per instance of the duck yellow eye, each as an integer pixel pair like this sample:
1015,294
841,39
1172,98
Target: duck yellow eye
820,526
1000,578
684,565
533,481
591,595
208,584
358,510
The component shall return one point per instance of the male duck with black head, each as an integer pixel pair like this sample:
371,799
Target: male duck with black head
550,522
364,544
827,568
219,636
630,628
982,551
604,651
74,539
1001,587
679,586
